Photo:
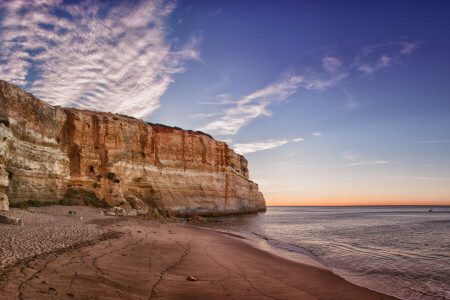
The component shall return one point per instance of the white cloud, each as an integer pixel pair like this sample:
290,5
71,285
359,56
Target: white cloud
417,143
321,83
366,163
351,102
228,141
376,57
349,155
353,156
317,134
299,139
256,104
331,64
383,62
219,100
409,47
199,116
243,148
252,106
111,59
258,146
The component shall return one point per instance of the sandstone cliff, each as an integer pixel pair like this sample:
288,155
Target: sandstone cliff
49,153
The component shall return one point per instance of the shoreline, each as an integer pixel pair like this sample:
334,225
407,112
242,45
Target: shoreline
263,244
386,250
151,260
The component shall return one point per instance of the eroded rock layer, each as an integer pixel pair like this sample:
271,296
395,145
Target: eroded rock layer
49,152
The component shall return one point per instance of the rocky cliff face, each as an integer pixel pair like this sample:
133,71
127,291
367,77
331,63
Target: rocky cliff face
48,153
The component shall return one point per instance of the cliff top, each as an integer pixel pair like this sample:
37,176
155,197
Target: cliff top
115,116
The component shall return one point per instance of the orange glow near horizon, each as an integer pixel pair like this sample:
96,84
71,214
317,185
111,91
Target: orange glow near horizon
350,201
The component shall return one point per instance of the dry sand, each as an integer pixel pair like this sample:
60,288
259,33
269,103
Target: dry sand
151,260
46,229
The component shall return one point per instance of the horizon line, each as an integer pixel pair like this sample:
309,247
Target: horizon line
358,205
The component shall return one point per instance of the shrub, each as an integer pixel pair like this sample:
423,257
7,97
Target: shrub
68,202
72,197
32,203
201,132
86,197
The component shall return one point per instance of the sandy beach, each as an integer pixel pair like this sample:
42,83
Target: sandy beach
131,258
47,229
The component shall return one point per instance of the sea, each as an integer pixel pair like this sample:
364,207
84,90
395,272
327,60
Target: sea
403,251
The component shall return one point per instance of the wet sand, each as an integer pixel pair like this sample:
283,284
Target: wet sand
151,260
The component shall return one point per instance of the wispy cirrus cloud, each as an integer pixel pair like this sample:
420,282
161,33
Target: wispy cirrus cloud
252,106
258,146
331,64
409,47
317,134
199,116
377,57
244,148
98,55
351,102
349,155
257,103
367,163
368,68
335,72
219,100
418,143
331,72
354,160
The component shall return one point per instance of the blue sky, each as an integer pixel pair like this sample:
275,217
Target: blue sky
332,102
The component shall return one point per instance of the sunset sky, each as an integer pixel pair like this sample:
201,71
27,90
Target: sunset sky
332,102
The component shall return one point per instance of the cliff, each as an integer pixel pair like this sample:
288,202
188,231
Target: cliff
51,153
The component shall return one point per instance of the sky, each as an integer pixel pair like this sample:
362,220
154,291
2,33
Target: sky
331,102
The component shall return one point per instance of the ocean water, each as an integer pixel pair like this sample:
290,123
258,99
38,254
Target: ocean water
399,250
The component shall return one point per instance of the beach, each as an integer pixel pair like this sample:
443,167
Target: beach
132,258
48,229
396,250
